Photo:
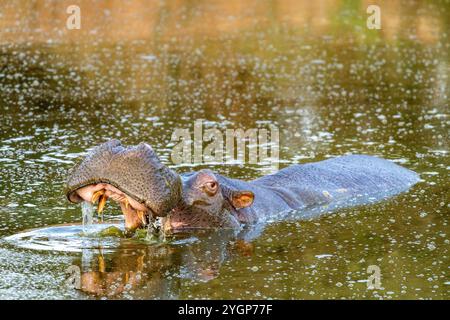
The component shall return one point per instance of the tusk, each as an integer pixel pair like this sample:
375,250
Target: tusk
141,216
127,204
96,195
101,203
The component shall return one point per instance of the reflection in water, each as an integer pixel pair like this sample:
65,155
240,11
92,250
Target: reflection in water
125,272
142,271
137,70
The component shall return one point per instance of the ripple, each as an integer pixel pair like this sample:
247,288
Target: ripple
64,238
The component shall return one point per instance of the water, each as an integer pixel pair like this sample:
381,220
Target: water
331,86
65,238
87,213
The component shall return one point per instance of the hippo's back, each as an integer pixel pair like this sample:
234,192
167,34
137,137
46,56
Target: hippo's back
339,177
367,170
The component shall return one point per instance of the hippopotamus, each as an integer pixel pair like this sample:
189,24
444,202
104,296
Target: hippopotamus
146,189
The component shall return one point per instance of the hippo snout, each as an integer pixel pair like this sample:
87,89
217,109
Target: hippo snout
133,176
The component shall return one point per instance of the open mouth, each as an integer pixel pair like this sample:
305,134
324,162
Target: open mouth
136,214
132,176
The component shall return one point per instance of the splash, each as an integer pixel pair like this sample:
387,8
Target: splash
87,212
71,238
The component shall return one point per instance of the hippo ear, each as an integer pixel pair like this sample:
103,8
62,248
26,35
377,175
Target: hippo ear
242,199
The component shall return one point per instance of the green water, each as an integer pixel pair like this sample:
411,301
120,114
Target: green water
331,89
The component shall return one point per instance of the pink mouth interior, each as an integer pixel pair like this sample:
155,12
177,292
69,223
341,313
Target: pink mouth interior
135,213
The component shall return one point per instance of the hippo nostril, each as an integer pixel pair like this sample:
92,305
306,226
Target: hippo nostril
188,201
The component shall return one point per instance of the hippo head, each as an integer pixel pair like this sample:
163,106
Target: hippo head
207,203
132,176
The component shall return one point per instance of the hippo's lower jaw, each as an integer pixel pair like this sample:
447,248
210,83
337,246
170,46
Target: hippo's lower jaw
136,214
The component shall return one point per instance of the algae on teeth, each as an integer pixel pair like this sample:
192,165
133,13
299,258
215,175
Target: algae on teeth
140,234
111,231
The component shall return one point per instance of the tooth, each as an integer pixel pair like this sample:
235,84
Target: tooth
127,204
101,203
141,216
97,195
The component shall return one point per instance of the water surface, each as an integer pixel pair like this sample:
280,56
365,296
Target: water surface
137,71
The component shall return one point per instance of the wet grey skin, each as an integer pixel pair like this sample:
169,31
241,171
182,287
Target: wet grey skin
133,176
211,200
207,200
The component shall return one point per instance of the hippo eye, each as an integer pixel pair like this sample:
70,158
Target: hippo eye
211,188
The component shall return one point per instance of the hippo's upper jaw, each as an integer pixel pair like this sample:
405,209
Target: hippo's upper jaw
132,176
